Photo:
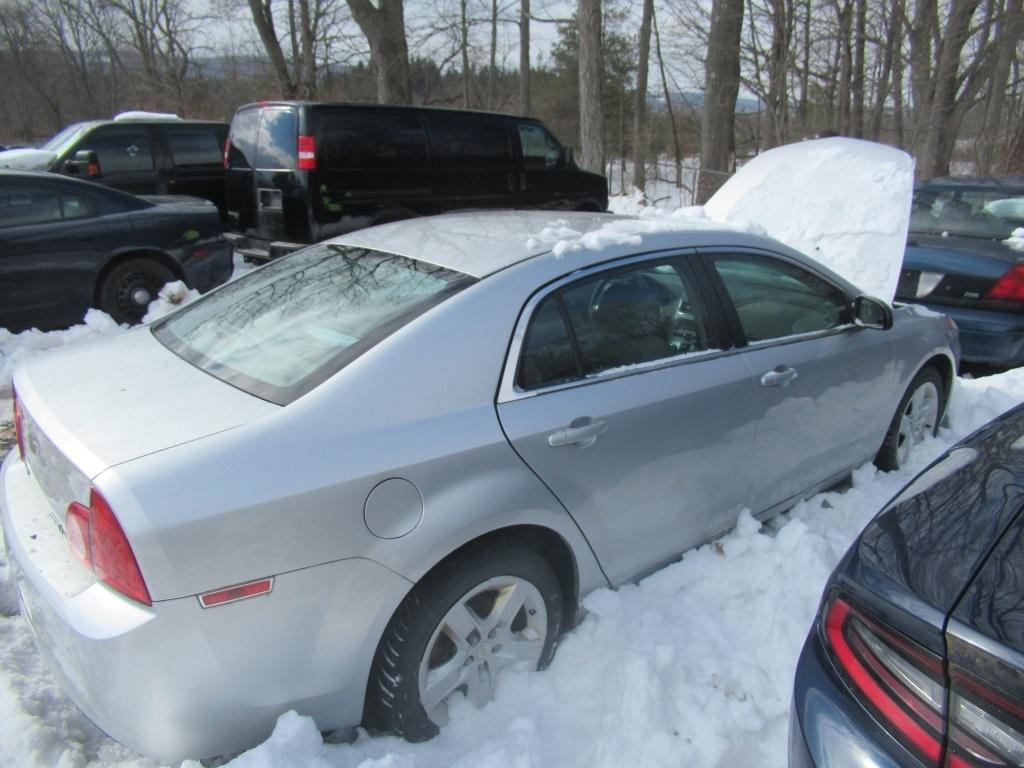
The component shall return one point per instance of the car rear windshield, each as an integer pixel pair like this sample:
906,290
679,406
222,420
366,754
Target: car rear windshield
960,212
278,332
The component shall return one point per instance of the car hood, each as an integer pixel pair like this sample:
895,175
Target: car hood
844,202
925,547
26,159
117,399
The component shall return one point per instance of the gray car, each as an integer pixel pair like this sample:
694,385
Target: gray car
370,476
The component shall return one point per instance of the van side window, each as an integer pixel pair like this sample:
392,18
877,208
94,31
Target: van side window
372,140
540,150
242,152
469,141
278,142
194,145
120,149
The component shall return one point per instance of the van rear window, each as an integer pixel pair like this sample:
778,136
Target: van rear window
281,330
244,127
372,140
277,145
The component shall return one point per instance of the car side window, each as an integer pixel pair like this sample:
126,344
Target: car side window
540,150
194,145
617,318
775,299
21,206
120,150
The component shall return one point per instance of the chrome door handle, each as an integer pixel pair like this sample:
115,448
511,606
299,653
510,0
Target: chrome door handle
578,434
779,376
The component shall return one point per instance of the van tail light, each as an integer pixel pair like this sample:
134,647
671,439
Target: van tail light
899,682
96,538
307,153
1009,287
19,426
227,152
987,729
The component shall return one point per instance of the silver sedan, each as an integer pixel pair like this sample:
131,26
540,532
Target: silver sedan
373,475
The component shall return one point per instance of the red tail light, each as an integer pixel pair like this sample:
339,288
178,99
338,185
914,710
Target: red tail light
307,153
97,539
227,152
987,728
900,682
1010,286
19,426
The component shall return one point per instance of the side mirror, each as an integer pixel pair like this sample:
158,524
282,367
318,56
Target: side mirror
872,313
84,164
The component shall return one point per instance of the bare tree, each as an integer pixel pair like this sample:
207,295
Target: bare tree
524,57
640,105
591,117
721,88
384,28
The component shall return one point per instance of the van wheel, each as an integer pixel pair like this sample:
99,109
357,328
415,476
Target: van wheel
130,286
487,609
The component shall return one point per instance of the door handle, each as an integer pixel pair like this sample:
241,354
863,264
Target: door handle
582,432
779,376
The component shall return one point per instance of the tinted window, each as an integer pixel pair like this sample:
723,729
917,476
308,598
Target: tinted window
387,140
26,205
120,150
468,141
194,146
540,150
283,329
548,357
775,299
967,212
277,144
244,128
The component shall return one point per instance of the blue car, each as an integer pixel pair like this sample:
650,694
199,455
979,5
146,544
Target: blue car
958,262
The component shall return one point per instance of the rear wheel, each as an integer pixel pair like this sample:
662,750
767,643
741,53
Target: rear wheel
917,417
487,610
130,286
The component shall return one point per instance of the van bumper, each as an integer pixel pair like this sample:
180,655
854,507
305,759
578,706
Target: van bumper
256,250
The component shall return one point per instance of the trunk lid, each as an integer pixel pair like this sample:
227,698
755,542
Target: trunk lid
957,271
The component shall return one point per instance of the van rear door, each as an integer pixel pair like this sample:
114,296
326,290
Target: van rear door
240,186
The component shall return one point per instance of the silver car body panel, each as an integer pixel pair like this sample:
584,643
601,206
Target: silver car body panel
214,487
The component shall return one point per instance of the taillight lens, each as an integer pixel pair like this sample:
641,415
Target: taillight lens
987,728
19,426
227,152
1010,286
96,538
900,682
307,153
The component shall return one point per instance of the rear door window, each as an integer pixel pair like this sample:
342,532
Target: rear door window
21,206
120,149
277,140
372,140
194,145
469,141
244,129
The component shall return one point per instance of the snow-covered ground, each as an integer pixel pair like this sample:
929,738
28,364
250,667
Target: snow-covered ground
691,667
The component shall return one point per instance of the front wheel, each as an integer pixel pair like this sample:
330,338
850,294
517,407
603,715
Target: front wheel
918,416
130,286
487,610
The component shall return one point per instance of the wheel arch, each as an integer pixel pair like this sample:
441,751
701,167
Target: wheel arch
943,365
153,254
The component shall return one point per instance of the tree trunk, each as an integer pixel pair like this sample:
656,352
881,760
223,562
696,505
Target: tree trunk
308,51
464,47
640,105
721,87
263,18
857,78
492,72
1009,32
524,57
676,148
893,39
384,29
591,117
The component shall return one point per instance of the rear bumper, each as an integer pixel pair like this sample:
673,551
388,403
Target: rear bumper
175,680
986,336
254,250
828,728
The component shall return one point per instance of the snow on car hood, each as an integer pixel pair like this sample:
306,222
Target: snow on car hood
119,398
26,159
844,202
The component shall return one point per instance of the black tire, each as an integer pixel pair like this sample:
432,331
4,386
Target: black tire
130,286
393,695
888,456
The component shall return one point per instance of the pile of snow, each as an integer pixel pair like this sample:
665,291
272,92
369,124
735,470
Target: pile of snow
171,297
1016,239
138,114
26,158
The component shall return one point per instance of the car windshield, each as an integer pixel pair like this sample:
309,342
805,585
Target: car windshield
61,141
963,212
283,329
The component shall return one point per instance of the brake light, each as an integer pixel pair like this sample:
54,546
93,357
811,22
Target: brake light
900,682
307,153
227,152
19,426
96,538
1010,286
987,728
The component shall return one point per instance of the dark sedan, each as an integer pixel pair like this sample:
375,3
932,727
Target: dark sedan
958,262
916,657
67,245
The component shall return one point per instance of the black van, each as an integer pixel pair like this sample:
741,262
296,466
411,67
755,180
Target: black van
300,172
144,156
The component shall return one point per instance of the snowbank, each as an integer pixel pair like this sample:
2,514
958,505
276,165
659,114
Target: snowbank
138,114
1016,240
846,202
